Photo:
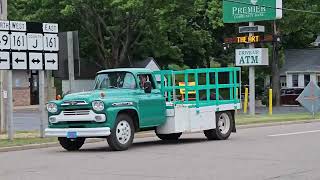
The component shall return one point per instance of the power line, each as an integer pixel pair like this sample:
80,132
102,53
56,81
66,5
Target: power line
270,7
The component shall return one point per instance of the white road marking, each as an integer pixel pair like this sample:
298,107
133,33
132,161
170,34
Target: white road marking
295,133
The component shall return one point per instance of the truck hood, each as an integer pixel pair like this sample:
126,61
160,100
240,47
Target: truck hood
96,94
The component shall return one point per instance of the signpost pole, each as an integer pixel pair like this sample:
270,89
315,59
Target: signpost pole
10,107
251,80
3,123
43,118
70,60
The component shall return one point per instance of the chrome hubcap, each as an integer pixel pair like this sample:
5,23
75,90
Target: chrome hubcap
224,123
123,132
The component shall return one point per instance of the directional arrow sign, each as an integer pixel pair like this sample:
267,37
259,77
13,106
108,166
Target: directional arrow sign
51,61
4,60
35,61
19,60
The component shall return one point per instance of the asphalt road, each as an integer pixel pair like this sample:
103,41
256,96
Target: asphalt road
26,121
287,152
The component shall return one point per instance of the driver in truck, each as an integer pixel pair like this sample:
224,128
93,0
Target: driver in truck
143,79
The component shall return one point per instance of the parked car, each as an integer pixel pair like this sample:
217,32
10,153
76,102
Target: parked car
288,96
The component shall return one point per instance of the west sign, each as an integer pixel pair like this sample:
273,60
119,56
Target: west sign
252,57
235,11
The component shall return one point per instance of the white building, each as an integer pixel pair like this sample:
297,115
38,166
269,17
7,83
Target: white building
301,66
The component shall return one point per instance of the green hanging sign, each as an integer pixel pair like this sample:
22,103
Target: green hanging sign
236,11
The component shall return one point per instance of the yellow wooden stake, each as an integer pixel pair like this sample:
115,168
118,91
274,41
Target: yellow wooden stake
245,106
270,101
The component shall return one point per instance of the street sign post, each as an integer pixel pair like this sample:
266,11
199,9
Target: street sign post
33,46
310,97
236,11
251,29
29,45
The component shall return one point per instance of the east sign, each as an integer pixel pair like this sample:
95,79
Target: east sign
236,11
252,57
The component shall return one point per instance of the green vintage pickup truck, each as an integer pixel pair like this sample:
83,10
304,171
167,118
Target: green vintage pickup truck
128,100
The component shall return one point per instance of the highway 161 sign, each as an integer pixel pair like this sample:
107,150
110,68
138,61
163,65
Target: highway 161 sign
28,45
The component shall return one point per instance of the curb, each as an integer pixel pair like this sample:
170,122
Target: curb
247,126
150,134
55,144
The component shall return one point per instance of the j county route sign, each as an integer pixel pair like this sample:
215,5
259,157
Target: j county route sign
236,11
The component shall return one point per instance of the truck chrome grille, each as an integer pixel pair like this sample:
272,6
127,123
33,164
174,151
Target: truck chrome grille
73,103
76,112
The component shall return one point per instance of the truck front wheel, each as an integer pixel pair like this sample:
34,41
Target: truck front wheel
71,144
122,134
168,137
224,126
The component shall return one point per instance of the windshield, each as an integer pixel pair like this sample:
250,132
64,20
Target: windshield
110,80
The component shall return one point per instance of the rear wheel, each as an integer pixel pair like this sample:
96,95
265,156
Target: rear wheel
224,126
122,134
168,137
71,144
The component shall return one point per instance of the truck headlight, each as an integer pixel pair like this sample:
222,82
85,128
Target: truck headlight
52,107
98,105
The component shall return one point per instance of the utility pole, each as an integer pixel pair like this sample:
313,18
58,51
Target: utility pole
252,95
70,61
275,67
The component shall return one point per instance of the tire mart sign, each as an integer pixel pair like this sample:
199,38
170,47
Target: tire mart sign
252,57
236,11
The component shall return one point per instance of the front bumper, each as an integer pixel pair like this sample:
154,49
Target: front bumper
81,132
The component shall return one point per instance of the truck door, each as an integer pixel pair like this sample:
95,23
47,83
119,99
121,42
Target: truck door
151,105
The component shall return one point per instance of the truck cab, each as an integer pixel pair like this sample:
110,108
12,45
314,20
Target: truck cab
128,100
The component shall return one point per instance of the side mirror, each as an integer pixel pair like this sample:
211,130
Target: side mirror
147,87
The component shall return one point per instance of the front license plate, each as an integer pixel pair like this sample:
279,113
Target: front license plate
71,135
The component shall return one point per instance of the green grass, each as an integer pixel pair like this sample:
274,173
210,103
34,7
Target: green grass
25,141
24,138
248,119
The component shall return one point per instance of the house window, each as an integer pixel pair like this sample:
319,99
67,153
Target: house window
306,79
295,80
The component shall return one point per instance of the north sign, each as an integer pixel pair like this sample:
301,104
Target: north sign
236,11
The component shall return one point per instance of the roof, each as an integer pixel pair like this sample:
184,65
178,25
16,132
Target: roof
301,60
144,63
133,70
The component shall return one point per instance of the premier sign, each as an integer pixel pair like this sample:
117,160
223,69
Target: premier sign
235,11
252,57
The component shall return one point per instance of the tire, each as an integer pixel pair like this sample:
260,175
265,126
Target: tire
169,137
71,144
224,127
122,134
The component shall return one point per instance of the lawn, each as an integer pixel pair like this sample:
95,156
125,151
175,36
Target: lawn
242,119
24,138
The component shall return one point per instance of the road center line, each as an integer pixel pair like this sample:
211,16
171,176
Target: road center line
295,133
